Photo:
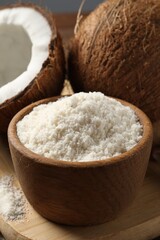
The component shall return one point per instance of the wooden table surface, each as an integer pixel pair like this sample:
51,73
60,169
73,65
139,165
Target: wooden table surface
140,222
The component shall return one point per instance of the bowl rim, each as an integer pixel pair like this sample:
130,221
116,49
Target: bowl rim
15,141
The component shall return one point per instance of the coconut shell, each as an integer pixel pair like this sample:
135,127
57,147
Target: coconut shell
49,81
117,51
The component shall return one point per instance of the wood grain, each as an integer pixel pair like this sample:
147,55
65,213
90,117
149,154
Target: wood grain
139,222
66,24
76,193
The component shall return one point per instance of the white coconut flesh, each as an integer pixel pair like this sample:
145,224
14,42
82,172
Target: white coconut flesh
24,39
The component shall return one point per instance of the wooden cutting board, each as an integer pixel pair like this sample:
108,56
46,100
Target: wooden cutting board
140,222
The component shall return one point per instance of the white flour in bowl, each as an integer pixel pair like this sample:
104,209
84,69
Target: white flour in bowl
82,127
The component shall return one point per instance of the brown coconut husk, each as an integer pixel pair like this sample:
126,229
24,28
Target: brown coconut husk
116,51
49,81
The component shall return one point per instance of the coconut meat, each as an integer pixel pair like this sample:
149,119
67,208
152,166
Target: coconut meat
24,39
15,52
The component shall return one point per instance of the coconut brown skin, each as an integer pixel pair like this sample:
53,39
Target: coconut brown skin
49,81
117,51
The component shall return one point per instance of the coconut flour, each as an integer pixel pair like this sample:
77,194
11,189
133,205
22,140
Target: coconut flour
82,127
12,200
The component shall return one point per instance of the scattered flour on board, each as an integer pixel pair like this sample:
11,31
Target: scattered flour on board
82,127
12,200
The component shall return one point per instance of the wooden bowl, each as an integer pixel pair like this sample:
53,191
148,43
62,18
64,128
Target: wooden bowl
80,193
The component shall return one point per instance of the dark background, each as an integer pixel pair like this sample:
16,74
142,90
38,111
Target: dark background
60,5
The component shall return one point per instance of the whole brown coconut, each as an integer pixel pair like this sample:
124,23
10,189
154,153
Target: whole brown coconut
117,51
48,80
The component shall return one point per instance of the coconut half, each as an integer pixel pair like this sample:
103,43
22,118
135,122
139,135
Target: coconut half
116,50
32,64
